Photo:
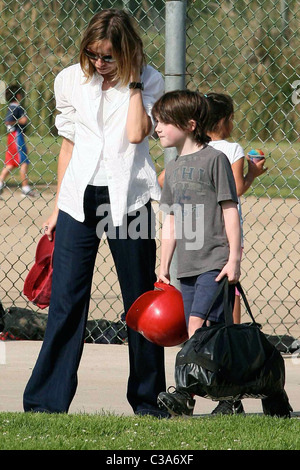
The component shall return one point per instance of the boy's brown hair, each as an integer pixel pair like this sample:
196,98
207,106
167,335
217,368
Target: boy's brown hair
179,107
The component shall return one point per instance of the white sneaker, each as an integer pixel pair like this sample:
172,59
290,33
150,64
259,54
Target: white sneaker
29,193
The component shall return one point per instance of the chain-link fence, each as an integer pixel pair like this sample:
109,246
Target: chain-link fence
249,49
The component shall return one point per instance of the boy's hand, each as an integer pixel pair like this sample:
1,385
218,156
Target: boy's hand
164,277
232,271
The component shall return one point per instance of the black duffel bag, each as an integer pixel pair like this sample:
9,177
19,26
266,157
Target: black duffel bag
230,361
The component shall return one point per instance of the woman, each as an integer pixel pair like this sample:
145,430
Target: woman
105,181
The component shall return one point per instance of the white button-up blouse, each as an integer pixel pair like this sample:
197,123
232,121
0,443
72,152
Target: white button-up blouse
130,172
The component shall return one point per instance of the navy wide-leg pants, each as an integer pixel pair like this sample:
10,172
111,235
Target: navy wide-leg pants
53,382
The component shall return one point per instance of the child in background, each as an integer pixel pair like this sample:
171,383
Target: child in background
16,153
198,191
219,129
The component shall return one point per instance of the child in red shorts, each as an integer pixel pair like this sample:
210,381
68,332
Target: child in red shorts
16,152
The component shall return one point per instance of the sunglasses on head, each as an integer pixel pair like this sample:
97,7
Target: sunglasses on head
93,56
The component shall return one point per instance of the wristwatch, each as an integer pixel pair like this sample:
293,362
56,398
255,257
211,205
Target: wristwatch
135,85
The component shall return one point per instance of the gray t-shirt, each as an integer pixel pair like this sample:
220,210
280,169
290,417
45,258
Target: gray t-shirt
194,187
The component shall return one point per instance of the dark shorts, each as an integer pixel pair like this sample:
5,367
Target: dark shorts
197,292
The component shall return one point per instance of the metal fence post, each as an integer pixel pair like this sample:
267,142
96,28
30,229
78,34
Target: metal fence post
175,45
175,66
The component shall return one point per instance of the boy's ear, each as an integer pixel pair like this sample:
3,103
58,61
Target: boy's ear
192,125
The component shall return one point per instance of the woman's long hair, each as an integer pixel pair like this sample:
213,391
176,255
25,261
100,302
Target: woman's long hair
117,27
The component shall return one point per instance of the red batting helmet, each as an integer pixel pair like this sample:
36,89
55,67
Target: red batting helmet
38,282
159,316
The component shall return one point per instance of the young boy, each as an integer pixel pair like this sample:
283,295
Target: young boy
16,153
201,221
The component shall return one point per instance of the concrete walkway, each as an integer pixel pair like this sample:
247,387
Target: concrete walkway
103,376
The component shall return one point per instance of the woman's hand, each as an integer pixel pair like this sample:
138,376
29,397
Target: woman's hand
50,224
64,158
138,124
137,66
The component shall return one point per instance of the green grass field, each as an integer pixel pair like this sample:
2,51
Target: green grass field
22,431
281,180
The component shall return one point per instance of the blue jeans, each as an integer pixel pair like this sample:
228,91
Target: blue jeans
53,383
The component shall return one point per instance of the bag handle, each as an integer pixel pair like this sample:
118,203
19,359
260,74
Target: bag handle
216,295
240,289
224,285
